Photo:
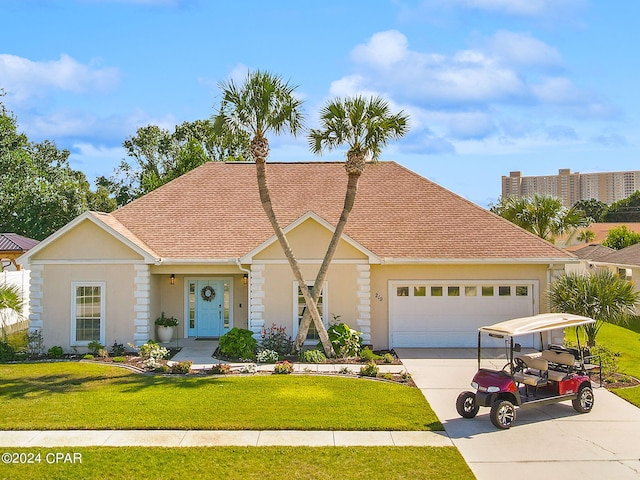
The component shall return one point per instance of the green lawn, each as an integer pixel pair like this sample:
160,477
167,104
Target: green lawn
626,341
229,463
71,395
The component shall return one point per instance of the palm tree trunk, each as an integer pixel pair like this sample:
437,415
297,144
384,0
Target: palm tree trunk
349,200
265,198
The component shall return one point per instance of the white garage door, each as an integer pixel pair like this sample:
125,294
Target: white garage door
449,313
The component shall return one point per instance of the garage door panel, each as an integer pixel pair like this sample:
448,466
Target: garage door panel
452,315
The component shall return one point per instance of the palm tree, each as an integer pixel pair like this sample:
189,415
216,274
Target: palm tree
543,216
265,103
365,126
603,296
11,303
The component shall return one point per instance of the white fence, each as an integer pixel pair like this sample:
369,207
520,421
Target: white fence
21,280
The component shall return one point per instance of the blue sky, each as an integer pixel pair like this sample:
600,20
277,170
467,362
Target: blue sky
491,85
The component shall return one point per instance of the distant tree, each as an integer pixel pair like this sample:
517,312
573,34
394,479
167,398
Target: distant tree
160,156
586,236
592,208
603,296
621,237
39,192
625,210
543,216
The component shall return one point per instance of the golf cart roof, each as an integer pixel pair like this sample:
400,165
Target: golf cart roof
537,323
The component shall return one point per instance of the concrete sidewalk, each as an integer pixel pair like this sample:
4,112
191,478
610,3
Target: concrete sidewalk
218,438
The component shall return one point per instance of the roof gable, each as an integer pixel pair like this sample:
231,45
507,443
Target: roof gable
92,235
214,212
309,236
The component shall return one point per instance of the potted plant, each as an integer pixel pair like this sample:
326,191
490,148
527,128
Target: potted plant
165,327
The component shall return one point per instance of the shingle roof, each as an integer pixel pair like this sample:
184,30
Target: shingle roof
214,212
625,256
593,252
12,242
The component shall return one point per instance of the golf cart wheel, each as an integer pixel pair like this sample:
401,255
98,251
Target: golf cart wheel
466,405
503,414
584,402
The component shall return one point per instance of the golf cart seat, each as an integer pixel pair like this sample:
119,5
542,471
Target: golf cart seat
561,364
537,371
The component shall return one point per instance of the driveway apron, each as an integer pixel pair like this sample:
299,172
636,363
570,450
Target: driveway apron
545,442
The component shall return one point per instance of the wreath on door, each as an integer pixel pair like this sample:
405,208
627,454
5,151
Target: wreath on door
208,293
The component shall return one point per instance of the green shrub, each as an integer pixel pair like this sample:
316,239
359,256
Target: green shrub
275,338
388,358
283,368
120,359
369,370
88,356
313,356
367,354
7,351
405,376
345,371
387,376
346,341
221,369
238,343
94,347
55,352
117,349
162,369
608,357
181,368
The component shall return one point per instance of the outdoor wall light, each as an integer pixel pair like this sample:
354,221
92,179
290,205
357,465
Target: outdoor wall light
245,279
173,278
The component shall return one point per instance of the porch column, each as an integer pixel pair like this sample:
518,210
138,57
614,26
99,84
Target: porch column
141,293
256,300
35,297
364,303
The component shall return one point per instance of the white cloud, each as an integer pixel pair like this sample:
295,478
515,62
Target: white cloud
67,124
523,50
521,8
23,78
383,49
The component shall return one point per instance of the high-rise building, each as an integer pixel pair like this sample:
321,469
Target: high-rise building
607,187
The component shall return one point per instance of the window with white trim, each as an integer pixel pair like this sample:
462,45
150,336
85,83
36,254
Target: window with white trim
87,312
300,307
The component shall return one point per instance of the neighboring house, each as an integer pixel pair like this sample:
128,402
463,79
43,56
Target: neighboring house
588,255
417,266
624,262
570,240
13,246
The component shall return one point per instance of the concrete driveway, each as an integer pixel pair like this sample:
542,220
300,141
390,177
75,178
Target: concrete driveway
547,442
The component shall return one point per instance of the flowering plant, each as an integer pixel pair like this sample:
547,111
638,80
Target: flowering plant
166,321
267,356
151,353
283,367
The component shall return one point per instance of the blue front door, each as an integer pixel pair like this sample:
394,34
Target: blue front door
209,305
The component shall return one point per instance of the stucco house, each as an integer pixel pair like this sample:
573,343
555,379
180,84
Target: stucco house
417,266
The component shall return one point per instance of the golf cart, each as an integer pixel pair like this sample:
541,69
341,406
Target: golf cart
551,375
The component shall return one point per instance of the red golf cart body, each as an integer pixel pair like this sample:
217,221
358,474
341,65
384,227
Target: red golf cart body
554,374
